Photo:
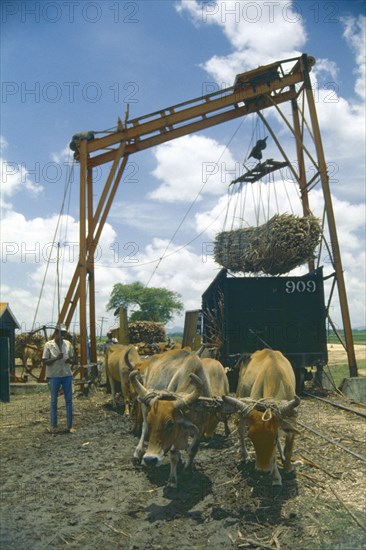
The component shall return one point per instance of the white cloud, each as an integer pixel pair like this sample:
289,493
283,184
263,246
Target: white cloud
258,202
342,122
3,143
146,215
63,156
355,35
190,165
259,33
181,270
14,178
323,68
27,245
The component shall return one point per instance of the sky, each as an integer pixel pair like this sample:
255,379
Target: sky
70,66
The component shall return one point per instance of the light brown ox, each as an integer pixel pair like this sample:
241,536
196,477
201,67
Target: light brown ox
34,354
266,389
168,420
219,386
172,357
118,367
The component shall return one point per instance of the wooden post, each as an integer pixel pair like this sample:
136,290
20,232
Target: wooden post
123,335
82,255
190,336
301,162
91,272
331,224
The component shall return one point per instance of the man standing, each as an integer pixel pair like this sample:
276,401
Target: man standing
58,355
109,342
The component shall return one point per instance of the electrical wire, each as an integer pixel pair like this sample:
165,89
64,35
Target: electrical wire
166,255
191,205
67,221
51,248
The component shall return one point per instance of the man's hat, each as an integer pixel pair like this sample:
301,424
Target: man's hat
61,328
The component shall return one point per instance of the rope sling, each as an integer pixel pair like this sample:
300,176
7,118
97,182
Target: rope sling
282,242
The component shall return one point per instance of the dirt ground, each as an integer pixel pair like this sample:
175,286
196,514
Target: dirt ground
337,355
83,491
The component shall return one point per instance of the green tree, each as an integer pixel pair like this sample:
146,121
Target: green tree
149,304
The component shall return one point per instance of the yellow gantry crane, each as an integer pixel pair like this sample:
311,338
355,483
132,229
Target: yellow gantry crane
252,92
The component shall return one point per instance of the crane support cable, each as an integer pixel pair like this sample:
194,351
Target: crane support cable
191,205
53,242
292,131
274,137
172,253
58,279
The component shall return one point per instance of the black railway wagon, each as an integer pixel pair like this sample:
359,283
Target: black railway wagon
244,314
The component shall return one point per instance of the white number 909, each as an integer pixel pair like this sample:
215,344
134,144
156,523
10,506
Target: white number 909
300,286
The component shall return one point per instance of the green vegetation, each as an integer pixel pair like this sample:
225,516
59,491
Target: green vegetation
341,371
359,336
149,304
176,336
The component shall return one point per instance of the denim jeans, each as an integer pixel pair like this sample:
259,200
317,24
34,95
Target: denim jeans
55,384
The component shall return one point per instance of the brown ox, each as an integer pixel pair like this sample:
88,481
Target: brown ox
170,388
118,367
34,354
267,390
168,362
219,386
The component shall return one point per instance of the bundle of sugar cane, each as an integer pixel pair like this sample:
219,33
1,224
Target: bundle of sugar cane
274,248
25,339
146,331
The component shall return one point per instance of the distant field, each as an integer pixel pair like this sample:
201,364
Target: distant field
359,336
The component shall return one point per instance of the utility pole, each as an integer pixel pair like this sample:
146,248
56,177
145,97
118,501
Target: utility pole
102,319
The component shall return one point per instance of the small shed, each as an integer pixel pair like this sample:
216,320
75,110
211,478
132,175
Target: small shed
8,324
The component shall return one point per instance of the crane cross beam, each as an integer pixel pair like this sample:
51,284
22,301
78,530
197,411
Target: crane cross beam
237,110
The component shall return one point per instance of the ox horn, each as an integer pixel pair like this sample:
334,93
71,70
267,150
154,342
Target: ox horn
244,405
285,409
140,389
194,395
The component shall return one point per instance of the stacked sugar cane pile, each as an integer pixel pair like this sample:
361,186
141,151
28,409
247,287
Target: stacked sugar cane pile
148,332
23,339
274,248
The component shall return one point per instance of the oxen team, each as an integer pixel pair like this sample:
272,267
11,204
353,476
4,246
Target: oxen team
182,397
